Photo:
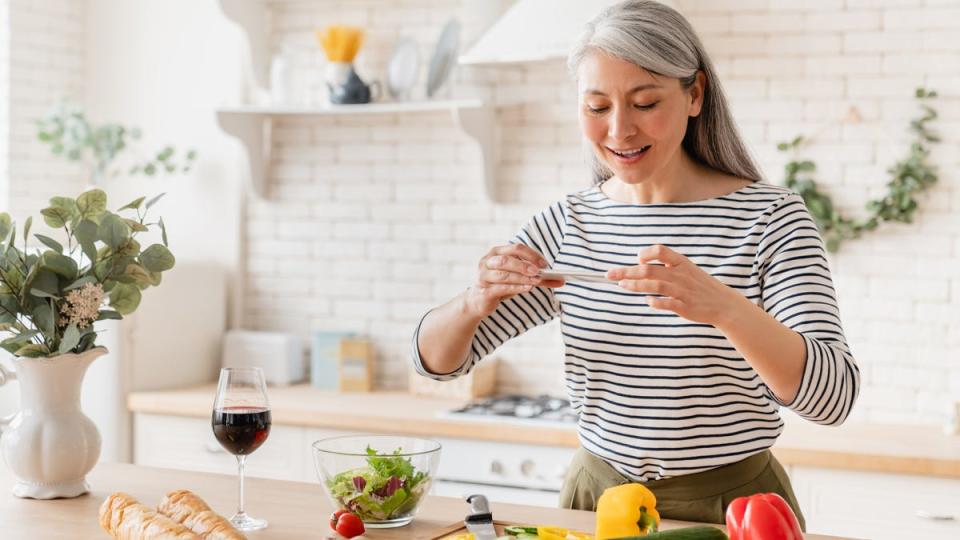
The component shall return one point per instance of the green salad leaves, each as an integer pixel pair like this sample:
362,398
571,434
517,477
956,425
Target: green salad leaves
389,487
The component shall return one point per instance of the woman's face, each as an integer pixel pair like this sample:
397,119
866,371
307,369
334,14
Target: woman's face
635,121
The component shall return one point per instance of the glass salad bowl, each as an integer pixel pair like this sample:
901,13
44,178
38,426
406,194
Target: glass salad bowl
380,478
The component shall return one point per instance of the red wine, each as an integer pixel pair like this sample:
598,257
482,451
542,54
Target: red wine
241,430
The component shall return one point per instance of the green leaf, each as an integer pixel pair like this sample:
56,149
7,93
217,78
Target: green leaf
45,281
9,346
8,308
43,294
32,350
44,319
71,337
125,298
86,234
66,203
13,236
55,217
163,232
154,200
86,341
26,229
106,314
135,225
50,243
157,258
113,231
136,274
92,203
60,264
134,204
25,336
5,225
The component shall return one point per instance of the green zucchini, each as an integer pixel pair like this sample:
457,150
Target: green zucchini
519,529
683,533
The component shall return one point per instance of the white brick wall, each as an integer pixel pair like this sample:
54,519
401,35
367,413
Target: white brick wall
45,64
4,99
375,218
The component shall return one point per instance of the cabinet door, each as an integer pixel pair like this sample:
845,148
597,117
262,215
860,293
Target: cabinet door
178,442
877,505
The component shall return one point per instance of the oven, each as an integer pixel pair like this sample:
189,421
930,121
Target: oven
507,472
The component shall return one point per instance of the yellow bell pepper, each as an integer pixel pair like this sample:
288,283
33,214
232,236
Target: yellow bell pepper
626,510
551,533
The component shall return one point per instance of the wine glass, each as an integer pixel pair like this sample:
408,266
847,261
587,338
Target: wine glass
241,423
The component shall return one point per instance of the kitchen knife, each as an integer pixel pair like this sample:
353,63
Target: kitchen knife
480,520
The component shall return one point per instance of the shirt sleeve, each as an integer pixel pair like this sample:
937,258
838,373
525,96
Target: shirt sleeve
544,233
797,289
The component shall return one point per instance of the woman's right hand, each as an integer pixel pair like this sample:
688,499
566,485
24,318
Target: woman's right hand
504,272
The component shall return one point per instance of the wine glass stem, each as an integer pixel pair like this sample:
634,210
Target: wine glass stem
241,460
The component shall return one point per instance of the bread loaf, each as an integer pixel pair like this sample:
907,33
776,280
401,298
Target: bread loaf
126,519
187,508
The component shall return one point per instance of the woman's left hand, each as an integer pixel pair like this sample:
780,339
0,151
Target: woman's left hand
684,288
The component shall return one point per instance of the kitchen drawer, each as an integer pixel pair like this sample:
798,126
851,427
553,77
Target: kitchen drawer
877,505
188,443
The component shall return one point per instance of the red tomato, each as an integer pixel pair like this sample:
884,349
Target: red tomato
335,517
349,525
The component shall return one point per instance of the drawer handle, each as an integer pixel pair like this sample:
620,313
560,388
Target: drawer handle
923,514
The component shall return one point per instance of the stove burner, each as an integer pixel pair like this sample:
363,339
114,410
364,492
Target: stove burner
517,406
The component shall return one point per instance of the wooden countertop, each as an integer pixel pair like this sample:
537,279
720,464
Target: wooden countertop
865,447
295,510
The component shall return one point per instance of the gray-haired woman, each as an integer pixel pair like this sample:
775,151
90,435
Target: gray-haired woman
720,308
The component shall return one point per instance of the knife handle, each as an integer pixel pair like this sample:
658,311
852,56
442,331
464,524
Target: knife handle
478,504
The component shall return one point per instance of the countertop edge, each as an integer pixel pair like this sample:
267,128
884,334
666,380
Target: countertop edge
147,403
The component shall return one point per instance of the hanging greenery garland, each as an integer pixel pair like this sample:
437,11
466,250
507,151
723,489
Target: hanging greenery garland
911,176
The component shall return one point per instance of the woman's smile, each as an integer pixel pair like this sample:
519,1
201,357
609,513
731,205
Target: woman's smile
629,156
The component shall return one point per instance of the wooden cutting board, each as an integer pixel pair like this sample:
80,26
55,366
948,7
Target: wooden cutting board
460,528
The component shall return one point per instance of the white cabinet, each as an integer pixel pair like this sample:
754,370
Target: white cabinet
187,443
878,506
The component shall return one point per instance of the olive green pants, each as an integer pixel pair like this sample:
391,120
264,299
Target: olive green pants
702,496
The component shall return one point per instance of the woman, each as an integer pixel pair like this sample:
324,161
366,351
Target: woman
720,306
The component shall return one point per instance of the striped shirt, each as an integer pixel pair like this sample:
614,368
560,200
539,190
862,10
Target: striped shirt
658,395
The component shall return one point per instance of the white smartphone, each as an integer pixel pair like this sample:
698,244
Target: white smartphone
574,275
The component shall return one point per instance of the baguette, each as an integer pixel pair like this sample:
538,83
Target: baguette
126,519
185,507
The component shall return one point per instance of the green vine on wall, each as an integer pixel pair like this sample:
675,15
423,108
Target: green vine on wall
910,176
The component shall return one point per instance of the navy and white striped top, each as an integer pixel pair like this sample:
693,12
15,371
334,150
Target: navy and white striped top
658,395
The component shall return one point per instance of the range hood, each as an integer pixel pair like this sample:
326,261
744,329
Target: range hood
533,30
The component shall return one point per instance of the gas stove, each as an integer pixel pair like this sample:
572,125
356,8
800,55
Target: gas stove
540,410
507,472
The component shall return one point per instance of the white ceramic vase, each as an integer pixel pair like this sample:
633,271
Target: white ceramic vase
50,445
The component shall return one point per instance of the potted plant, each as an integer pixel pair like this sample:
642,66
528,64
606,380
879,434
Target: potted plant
52,293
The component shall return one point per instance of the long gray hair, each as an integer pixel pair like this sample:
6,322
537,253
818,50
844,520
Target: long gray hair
658,39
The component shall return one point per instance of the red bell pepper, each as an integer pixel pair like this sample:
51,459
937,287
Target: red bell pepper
764,516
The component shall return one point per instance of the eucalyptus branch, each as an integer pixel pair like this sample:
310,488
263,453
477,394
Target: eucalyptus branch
910,176
59,295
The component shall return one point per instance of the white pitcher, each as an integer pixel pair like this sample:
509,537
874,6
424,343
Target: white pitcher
50,445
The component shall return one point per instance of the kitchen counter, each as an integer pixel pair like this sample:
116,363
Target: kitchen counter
863,447
295,510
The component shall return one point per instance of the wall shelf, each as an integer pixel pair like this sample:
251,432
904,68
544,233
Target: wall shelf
253,126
